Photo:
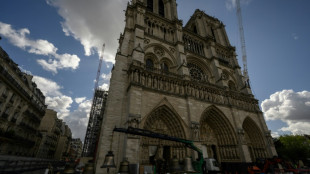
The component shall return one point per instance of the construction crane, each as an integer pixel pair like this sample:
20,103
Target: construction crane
242,40
99,68
94,122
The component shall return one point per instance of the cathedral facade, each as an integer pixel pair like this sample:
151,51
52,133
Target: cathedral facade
183,81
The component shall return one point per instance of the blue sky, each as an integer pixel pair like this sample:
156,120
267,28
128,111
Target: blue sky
58,42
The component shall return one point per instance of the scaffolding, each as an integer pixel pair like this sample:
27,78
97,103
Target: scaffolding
94,123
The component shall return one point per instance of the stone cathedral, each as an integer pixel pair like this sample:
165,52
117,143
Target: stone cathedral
183,81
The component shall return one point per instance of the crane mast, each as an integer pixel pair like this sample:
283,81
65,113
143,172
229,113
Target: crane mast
99,68
242,40
94,122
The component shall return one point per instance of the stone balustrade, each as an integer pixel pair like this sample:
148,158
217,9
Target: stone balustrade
167,82
159,28
193,44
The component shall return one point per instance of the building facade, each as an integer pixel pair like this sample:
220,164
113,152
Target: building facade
22,106
56,137
180,81
63,146
76,147
50,130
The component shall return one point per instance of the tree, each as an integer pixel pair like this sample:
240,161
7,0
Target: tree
293,147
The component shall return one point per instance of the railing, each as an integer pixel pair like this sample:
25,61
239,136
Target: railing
159,28
28,127
175,84
225,55
192,44
15,164
32,116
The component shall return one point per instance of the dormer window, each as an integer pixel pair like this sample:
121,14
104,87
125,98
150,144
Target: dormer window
161,8
149,5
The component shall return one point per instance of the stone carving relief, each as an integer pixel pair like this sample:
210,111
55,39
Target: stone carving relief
225,76
140,11
159,51
129,13
269,138
242,136
175,84
146,41
133,121
207,134
195,131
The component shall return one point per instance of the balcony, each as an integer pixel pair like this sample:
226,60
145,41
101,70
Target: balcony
13,81
160,28
193,44
27,127
173,84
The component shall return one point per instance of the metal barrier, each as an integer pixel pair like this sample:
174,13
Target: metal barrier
16,164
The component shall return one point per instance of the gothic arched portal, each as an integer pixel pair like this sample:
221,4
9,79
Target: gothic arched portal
218,135
254,139
162,120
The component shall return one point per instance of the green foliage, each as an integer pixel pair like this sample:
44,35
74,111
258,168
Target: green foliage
293,147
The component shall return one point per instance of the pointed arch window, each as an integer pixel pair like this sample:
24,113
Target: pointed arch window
195,29
149,5
161,8
165,67
149,64
213,34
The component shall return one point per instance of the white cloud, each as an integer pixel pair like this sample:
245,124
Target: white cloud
40,47
50,65
78,119
104,86
64,61
79,100
291,107
61,104
22,69
297,127
92,24
106,77
275,134
47,86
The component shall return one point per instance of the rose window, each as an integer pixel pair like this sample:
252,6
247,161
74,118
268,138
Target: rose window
195,72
